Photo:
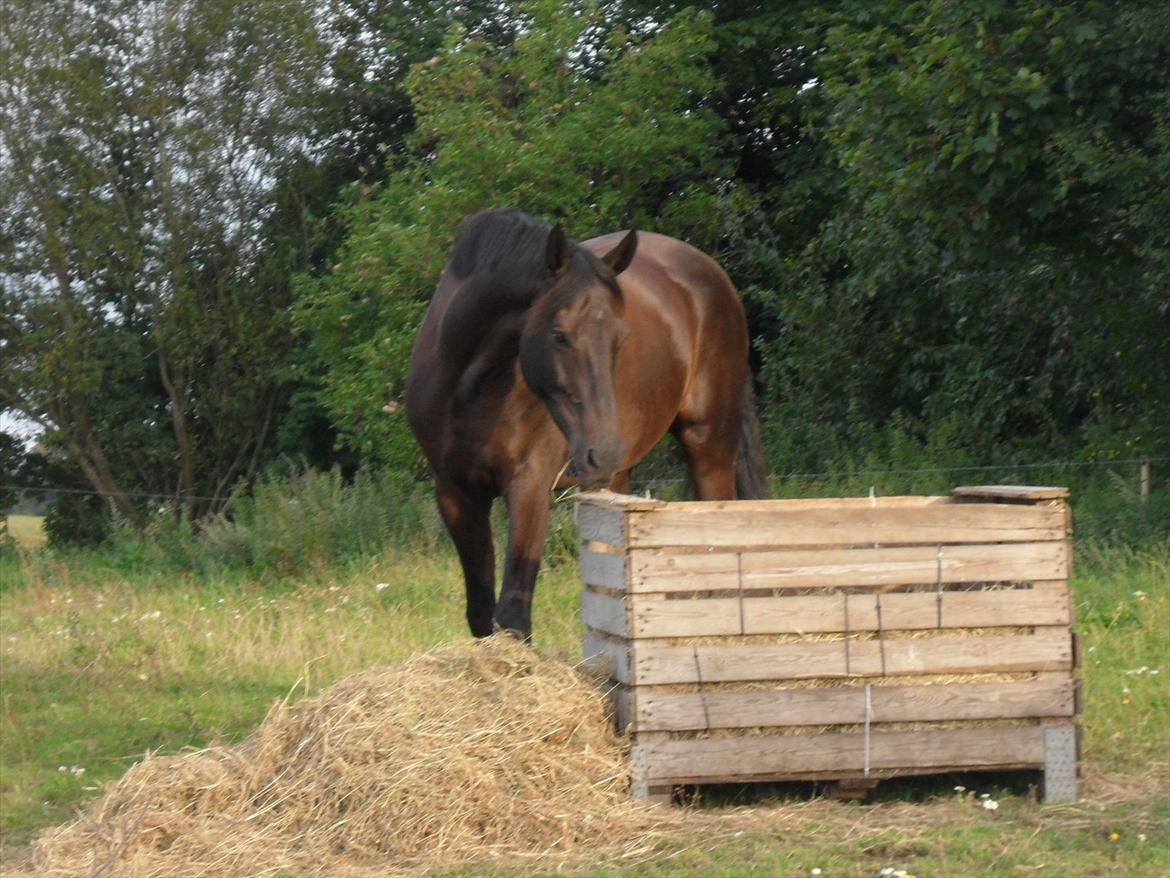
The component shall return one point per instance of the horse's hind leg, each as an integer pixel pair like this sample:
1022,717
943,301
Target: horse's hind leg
468,520
710,450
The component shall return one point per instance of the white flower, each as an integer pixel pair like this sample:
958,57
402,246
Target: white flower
77,771
889,870
985,795
378,586
959,789
990,804
814,871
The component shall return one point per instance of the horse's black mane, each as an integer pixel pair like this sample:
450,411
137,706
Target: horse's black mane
495,239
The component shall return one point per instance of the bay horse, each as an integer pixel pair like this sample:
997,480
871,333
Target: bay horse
544,363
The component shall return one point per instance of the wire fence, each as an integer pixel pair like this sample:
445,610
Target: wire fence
1144,467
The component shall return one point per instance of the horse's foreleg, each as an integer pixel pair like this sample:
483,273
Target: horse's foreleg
528,515
468,520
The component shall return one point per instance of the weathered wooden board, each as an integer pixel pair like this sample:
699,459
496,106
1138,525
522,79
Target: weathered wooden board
781,525
602,524
1030,493
698,760
650,709
658,570
642,617
1046,650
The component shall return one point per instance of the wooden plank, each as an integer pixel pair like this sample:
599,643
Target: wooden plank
1011,492
611,499
601,524
631,502
694,760
606,657
604,613
605,569
730,709
1046,650
782,525
665,571
805,614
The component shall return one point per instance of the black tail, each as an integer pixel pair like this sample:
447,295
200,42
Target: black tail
751,474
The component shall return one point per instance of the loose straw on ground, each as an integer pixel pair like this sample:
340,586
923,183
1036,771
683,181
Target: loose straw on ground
471,751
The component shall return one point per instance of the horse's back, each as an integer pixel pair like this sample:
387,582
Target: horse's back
672,275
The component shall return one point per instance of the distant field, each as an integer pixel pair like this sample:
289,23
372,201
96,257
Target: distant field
27,530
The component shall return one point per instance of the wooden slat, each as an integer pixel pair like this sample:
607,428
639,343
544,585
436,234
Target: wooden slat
694,760
783,525
602,524
728,709
1046,650
665,571
602,655
1011,492
612,500
603,568
604,613
803,614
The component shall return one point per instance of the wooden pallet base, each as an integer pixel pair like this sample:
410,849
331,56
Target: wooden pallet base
1052,751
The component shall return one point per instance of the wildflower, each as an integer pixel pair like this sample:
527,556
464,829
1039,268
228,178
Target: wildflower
62,769
959,789
1114,836
990,804
378,586
814,871
985,795
77,771
1141,836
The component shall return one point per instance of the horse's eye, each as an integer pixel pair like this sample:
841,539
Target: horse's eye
560,338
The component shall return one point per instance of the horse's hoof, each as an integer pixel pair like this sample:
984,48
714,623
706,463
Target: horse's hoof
522,636
482,627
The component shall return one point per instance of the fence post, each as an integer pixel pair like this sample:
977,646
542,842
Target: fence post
1144,479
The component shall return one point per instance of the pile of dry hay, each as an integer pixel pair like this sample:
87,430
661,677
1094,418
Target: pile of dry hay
468,752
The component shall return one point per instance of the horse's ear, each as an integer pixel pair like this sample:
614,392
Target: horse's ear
557,251
620,257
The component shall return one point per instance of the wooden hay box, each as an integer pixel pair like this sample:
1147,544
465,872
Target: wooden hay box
844,640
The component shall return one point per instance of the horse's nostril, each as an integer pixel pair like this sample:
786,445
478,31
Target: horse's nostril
591,458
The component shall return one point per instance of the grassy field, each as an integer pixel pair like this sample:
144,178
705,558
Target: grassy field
100,665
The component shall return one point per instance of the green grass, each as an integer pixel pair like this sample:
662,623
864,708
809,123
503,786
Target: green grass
101,664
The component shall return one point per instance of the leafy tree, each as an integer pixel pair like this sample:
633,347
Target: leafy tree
994,252
579,120
144,307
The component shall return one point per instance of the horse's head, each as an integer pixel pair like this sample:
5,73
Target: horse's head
569,347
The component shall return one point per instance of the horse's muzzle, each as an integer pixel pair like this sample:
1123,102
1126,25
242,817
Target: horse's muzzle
593,468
